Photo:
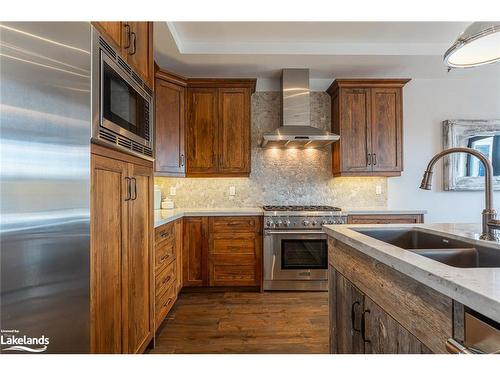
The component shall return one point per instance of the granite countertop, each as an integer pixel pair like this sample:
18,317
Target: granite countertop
478,288
165,216
381,211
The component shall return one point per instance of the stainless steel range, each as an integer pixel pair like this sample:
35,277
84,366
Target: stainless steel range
295,247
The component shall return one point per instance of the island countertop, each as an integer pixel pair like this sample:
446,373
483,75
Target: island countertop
477,288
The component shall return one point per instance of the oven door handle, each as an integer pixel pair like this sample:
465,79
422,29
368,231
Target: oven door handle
292,232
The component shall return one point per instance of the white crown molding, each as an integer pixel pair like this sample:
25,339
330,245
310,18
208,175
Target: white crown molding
311,48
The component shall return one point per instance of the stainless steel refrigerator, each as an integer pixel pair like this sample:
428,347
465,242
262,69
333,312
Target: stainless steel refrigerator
45,127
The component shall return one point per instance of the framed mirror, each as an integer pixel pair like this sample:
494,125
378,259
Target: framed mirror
466,172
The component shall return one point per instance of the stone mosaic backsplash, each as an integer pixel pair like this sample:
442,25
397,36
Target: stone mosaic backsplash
280,176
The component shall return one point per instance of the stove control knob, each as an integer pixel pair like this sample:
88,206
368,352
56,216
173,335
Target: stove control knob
278,223
314,223
269,223
306,223
331,222
324,222
286,223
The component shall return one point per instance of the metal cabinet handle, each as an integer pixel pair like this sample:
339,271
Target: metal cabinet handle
129,196
353,316
135,188
181,161
134,43
167,303
127,28
166,279
374,159
363,326
369,159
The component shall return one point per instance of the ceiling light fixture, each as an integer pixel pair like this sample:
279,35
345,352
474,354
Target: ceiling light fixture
478,45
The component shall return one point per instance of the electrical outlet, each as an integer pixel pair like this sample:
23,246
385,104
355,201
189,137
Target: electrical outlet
173,190
232,191
378,189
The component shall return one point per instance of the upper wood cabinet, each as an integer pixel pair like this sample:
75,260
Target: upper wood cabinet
134,41
202,126
218,127
202,132
170,111
368,116
121,260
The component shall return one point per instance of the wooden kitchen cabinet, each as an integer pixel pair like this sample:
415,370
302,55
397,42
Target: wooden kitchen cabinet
359,326
235,251
222,251
112,31
168,258
368,116
396,313
218,127
386,219
134,42
202,132
170,111
195,252
121,252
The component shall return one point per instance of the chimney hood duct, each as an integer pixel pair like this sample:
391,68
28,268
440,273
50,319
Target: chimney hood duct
296,130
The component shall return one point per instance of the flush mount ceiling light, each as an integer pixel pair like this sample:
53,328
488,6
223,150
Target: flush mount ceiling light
478,45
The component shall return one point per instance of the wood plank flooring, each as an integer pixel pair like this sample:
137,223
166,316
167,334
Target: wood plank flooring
246,322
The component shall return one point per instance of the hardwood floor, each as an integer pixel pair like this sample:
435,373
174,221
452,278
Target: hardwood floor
246,322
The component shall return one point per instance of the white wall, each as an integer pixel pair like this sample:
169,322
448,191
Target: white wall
427,102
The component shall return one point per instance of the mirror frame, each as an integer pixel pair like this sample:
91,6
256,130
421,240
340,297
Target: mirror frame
453,132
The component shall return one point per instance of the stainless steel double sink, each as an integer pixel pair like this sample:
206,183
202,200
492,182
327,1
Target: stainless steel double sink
443,249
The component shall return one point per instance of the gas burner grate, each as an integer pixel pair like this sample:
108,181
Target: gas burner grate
301,208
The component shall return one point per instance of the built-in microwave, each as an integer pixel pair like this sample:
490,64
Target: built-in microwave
122,104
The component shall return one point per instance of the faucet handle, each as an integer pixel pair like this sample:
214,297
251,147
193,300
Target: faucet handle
494,224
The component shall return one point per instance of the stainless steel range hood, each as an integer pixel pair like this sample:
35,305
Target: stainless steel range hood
296,130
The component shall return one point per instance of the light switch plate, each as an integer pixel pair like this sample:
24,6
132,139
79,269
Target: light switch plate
378,189
232,191
173,190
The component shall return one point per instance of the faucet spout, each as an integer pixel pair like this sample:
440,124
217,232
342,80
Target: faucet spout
489,213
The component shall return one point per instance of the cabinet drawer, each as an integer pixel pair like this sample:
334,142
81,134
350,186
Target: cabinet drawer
228,244
163,304
234,275
164,253
165,278
164,232
235,224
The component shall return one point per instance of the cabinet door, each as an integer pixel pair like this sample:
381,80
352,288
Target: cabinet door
195,251
169,127
140,52
234,131
108,246
355,129
386,130
112,31
349,307
202,131
384,335
178,252
138,265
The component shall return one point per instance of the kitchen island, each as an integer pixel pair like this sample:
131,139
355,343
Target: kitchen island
385,299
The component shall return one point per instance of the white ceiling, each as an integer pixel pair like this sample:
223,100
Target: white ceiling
329,49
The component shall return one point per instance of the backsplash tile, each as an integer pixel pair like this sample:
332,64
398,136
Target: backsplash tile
281,176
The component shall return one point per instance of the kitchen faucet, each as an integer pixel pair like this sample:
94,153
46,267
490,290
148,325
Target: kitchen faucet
489,222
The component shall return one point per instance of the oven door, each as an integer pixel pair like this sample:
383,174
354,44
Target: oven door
295,255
